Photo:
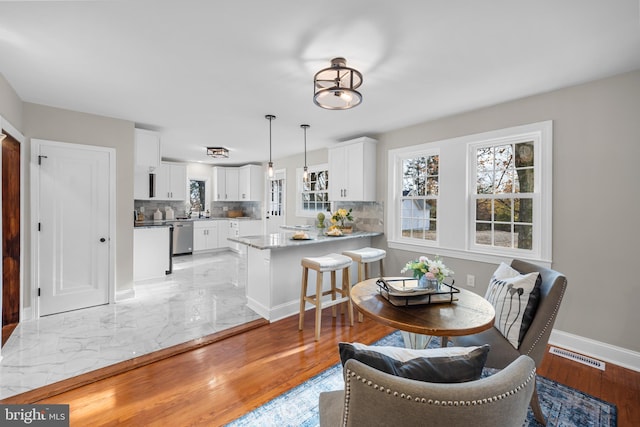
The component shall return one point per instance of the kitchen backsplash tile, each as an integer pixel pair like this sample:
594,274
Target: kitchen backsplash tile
217,209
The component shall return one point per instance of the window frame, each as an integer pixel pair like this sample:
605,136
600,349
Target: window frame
300,211
456,207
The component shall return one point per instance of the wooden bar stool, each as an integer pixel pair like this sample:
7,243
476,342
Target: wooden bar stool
322,264
364,257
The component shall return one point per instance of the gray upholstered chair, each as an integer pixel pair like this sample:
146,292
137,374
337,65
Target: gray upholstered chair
375,398
534,342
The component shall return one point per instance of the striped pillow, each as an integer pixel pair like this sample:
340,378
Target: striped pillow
509,293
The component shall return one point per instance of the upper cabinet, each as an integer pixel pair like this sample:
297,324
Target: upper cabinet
147,149
250,183
237,184
225,184
352,168
171,181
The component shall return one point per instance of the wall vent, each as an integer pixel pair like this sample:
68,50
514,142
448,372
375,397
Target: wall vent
594,363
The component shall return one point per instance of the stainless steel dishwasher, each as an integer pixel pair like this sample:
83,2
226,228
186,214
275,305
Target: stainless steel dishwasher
182,237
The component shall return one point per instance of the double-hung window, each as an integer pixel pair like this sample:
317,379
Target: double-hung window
313,193
419,199
484,197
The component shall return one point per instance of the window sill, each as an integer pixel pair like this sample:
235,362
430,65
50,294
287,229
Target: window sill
464,254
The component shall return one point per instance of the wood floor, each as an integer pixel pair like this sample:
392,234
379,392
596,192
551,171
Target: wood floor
219,382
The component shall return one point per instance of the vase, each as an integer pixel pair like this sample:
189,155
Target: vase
425,283
346,229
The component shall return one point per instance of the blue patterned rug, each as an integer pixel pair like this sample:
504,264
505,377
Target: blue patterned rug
562,405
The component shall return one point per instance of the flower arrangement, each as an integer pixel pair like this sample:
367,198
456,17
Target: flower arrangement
432,269
340,216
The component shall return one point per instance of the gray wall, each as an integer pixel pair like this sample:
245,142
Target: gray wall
596,137
10,104
42,122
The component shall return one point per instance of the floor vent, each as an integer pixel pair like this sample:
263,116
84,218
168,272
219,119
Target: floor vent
578,358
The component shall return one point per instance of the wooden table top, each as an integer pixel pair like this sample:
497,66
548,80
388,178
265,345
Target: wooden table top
469,315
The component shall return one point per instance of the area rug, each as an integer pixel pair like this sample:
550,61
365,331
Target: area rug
562,405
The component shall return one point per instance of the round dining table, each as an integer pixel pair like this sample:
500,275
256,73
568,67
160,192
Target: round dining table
467,314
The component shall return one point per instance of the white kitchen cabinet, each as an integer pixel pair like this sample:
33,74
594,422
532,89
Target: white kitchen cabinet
250,183
225,184
205,235
141,183
147,149
151,257
171,182
243,227
224,231
352,168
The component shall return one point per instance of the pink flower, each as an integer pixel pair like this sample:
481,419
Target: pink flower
430,276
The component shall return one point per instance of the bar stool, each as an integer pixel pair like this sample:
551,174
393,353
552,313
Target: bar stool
364,257
322,264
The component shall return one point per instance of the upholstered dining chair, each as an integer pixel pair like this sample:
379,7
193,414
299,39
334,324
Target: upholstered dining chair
534,343
375,398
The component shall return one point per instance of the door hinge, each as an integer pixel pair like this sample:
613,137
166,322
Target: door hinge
38,291
40,159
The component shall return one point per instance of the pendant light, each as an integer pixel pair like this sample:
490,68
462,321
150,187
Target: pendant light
271,118
305,174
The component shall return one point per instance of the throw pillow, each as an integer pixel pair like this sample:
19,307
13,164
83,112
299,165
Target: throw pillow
515,297
438,365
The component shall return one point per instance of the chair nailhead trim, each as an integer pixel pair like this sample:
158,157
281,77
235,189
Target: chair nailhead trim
484,401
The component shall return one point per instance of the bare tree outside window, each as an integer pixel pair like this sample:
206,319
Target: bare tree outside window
197,195
504,195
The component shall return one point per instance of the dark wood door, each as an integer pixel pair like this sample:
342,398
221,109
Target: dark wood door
10,234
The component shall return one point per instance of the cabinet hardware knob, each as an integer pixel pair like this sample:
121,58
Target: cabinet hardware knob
102,240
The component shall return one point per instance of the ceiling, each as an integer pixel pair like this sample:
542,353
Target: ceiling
205,73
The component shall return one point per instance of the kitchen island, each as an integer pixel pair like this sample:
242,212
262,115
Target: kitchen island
274,273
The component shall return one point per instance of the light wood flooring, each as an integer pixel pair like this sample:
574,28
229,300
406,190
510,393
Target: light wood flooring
220,381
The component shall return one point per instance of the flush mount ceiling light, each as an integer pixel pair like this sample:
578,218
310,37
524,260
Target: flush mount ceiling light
271,118
218,152
334,88
305,174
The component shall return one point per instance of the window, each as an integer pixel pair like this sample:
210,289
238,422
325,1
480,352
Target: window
314,192
484,197
419,201
197,195
503,195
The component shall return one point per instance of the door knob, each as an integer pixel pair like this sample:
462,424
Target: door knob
102,240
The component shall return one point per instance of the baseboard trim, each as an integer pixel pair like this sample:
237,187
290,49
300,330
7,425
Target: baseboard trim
609,353
126,294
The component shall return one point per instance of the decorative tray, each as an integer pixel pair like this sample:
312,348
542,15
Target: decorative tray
405,292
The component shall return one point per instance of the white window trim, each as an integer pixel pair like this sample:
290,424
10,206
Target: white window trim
454,212
299,171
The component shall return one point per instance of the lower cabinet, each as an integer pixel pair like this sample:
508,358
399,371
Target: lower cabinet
205,235
151,256
224,231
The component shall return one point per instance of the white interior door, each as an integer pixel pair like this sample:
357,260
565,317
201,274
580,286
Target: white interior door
73,242
276,193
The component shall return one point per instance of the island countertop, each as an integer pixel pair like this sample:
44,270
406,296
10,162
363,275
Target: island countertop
285,240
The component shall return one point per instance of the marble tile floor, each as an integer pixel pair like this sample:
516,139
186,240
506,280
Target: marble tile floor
205,294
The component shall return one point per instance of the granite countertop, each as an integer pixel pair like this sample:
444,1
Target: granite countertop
284,240
166,222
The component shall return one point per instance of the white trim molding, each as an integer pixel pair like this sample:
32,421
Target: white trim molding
606,352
